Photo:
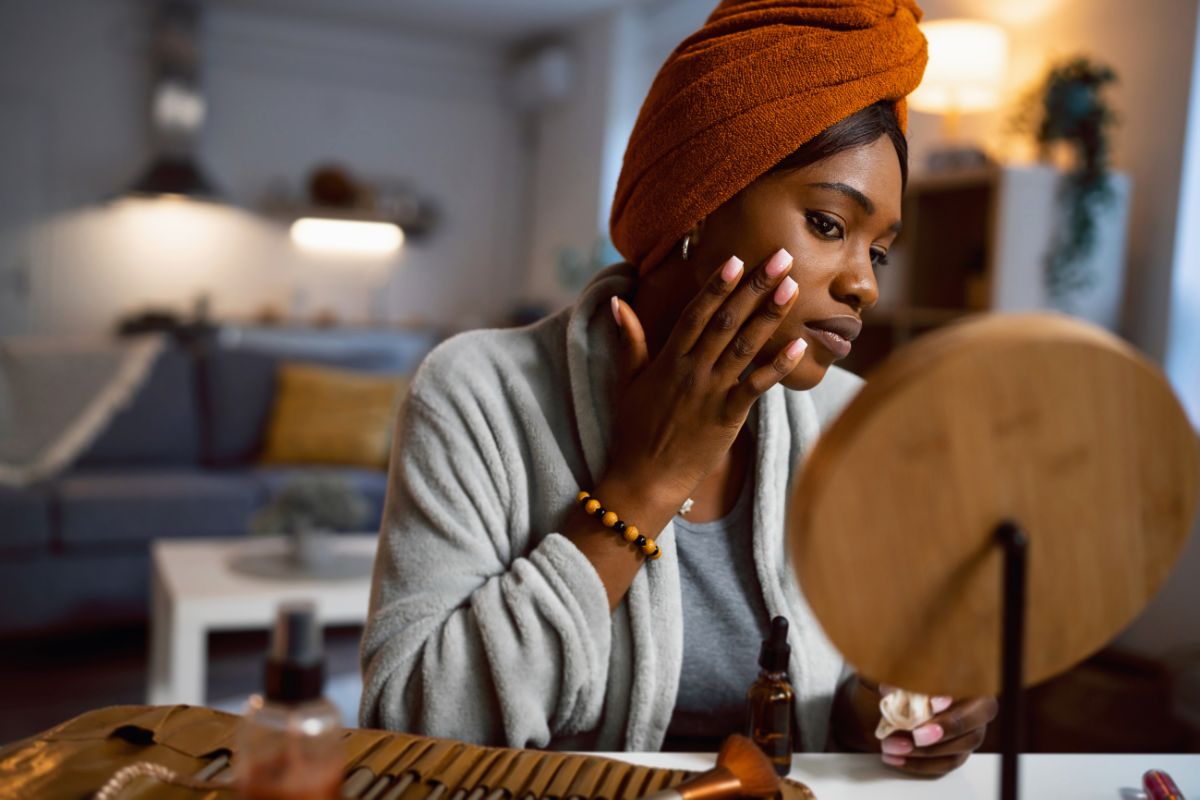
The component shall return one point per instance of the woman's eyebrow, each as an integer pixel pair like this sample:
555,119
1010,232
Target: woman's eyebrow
851,192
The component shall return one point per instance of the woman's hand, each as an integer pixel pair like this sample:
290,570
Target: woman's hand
944,742
940,745
680,412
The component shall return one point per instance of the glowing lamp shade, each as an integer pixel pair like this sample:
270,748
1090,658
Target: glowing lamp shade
347,237
967,63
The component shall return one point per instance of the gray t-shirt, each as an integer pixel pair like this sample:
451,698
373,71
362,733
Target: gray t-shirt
724,623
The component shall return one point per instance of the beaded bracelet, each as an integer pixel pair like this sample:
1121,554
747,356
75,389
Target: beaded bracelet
609,519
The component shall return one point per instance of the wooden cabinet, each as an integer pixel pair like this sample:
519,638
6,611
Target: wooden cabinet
976,241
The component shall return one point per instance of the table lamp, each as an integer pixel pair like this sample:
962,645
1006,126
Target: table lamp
968,60
1007,493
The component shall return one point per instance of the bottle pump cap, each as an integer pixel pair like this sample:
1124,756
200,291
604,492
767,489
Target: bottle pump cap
295,667
775,649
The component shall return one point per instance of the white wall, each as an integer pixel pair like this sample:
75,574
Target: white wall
1183,357
284,94
1170,626
568,139
579,145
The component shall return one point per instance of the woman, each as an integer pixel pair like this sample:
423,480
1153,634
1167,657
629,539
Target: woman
760,191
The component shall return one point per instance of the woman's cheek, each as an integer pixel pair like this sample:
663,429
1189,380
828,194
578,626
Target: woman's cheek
808,260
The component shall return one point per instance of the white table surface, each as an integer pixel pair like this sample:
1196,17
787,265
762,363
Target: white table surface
839,776
194,591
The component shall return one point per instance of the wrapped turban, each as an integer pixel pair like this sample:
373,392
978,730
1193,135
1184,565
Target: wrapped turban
761,78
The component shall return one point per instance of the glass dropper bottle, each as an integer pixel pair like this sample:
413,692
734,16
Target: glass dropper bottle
770,700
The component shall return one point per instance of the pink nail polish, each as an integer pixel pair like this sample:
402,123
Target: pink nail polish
893,761
616,309
784,291
927,735
796,348
780,263
941,703
896,746
732,268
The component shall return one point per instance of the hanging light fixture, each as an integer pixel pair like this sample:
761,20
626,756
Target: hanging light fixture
177,107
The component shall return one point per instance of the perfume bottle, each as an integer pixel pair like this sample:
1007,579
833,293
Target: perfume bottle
770,700
290,741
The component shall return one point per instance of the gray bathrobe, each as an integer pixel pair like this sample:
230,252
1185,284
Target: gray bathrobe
486,623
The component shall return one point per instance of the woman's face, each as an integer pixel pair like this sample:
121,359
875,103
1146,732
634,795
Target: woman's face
837,217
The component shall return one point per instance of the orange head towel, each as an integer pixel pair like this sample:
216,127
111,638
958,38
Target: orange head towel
761,78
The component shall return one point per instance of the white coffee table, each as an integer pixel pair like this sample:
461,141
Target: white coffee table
194,592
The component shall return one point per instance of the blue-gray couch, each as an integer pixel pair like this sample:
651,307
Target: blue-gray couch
178,461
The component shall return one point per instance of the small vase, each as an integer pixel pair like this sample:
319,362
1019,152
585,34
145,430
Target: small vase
312,548
1101,301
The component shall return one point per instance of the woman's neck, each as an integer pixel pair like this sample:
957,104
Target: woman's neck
718,493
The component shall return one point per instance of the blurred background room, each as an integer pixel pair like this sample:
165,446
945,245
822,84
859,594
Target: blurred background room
231,229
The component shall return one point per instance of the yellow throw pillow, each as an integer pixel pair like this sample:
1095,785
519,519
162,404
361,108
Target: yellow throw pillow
323,415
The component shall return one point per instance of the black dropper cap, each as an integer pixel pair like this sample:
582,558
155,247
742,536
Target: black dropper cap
296,665
775,649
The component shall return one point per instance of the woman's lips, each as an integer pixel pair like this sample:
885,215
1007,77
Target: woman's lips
835,333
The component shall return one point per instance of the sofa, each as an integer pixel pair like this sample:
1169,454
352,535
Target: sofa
179,460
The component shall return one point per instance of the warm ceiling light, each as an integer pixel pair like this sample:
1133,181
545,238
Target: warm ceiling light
968,60
347,236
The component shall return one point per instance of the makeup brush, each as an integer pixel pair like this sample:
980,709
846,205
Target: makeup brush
742,770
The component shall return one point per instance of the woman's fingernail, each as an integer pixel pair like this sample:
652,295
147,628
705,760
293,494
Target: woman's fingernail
796,348
780,263
784,291
732,268
941,703
616,308
893,761
927,735
896,746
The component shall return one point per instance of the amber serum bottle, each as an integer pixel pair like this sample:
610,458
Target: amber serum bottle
770,699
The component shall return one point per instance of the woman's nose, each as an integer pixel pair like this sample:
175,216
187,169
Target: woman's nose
855,284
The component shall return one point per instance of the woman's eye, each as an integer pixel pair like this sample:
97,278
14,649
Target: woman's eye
879,258
825,226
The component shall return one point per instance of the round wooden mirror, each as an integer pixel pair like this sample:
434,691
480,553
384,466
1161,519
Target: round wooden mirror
1039,419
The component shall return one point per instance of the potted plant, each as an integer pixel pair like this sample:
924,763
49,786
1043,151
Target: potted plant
309,510
1070,116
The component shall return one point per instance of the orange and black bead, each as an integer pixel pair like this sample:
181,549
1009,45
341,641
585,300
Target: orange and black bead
609,519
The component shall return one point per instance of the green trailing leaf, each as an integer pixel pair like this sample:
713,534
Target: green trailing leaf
1070,106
